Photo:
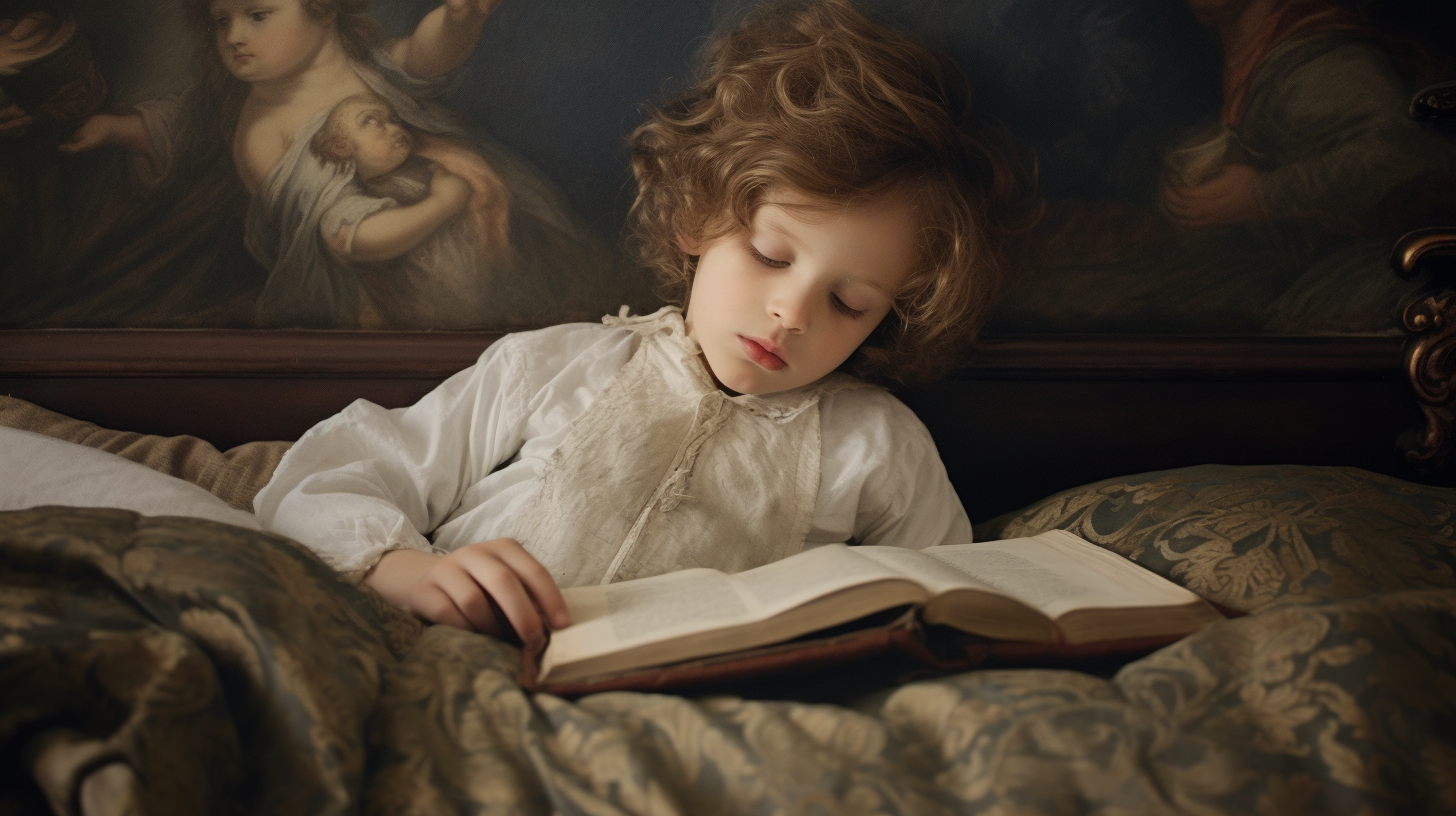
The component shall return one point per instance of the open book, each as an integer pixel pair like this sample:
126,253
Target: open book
1054,588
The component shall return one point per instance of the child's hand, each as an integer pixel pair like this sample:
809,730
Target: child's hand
97,131
14,122
453,190
465,588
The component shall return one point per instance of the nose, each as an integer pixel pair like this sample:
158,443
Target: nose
790,306
231,33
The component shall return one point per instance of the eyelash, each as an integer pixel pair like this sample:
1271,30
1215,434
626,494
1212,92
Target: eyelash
256,16
839,305
764,259
844,308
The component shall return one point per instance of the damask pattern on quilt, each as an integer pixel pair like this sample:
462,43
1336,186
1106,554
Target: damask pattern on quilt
186,667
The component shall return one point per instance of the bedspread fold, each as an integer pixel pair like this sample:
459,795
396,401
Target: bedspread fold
183,666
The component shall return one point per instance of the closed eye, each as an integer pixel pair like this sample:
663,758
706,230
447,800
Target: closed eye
764,259
844,308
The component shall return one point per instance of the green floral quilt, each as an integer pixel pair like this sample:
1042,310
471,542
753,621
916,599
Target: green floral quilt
177,666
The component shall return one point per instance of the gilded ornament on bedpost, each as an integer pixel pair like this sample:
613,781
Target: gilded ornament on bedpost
1430,366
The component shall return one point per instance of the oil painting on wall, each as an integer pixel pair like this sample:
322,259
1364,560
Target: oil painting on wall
1214,166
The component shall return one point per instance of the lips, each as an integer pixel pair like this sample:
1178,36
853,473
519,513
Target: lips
762,352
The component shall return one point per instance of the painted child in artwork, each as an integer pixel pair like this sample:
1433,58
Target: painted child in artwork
845,224
276,69
401,222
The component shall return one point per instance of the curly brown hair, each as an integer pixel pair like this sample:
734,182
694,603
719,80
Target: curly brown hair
816,97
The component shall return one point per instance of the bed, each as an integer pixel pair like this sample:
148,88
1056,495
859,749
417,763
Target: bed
161,655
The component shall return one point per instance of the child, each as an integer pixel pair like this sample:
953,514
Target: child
292,60
401,222
817,209
271,73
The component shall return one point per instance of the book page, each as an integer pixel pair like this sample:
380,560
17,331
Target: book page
934,574
811,574
664,606
1057,572
638,611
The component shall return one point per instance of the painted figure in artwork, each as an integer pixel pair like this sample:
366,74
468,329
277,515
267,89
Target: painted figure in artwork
298,59
270,74
1275,207
410,229
1314,121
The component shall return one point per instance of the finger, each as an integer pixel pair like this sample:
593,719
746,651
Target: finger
506,589
469,598
19,121
539,583
436,606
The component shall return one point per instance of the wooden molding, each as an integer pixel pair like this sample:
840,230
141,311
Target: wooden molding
1420,246
1430,366
1156,357
436,355
238,353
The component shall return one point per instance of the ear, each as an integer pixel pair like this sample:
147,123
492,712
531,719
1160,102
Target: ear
689,246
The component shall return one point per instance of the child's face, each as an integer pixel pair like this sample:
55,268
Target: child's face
380,142
785,302
264,40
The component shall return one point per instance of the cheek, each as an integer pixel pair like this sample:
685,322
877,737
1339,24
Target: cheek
731,297
848,337
842,343
288,42
705,298
285,43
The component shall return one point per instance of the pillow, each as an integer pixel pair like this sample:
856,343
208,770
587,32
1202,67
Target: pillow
1249,536
41,470
234,476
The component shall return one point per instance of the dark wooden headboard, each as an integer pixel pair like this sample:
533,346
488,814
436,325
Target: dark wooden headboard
1028,416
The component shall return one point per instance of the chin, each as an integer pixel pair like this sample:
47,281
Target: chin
757,386
738,385
737,381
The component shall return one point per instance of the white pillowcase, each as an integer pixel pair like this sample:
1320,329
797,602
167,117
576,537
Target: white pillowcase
37,470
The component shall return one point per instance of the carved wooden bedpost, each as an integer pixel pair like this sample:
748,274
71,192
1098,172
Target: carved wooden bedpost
1430,348
1430,320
